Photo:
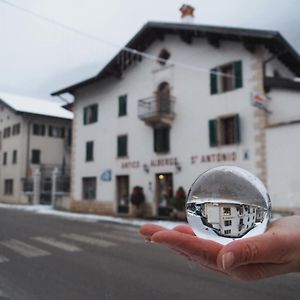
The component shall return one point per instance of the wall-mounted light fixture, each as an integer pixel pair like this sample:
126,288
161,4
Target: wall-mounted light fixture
177,166
146,168
150,186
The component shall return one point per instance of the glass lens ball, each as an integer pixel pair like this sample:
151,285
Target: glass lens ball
227,203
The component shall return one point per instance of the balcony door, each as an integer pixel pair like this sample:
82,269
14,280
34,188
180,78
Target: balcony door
163,97
123,194
164,193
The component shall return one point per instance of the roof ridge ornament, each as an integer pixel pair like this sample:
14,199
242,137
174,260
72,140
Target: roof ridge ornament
187,13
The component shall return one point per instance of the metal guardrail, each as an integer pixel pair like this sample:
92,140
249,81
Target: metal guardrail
156,107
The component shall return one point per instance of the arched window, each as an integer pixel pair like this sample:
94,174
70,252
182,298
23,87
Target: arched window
163,54
163,96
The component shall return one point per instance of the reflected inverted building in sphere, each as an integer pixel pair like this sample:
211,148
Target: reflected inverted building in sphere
227,203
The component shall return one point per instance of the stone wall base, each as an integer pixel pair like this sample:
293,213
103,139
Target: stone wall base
93,207
146,210
108,208
15,200
62,203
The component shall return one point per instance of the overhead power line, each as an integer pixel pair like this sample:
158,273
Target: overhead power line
124,48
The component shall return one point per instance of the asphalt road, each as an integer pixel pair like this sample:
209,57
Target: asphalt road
46,257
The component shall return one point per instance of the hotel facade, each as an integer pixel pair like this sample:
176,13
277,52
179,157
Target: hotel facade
214,96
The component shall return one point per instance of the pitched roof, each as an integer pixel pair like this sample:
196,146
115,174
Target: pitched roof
152,31
35,106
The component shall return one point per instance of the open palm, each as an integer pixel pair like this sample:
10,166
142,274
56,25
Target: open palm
275,252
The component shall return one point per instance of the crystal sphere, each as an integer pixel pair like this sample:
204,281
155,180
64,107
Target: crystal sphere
227,203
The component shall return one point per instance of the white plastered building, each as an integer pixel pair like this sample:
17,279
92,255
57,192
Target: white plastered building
142,122
34,134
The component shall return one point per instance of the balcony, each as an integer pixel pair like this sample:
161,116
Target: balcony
157,110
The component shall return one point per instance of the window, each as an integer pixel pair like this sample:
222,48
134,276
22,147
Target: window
122,146
227,223
54,131
38,129
122,105
16,129
35,156
227,231
226,78
4,158
90,114
161,139
8,186
163,54
69,137
89,151
226,211
14,157
6,132
224,130
241,222
89,188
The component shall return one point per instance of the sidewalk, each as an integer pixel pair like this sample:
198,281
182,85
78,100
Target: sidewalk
48,210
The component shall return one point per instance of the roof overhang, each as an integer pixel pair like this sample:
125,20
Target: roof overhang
152,31
281,83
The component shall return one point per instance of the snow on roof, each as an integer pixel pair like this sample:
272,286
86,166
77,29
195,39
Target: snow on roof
35,106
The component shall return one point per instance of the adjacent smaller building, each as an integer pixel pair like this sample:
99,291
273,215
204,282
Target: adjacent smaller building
226,218
34,134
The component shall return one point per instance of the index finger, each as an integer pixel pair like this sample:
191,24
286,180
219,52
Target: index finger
265,248
203,251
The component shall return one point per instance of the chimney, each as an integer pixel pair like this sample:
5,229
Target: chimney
187,13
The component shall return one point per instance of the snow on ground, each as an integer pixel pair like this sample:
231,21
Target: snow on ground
48,210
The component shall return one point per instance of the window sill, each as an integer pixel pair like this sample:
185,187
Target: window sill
226,92
122,157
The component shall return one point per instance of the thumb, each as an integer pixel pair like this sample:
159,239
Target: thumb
266,248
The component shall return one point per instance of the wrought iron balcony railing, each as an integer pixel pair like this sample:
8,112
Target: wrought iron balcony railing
154,110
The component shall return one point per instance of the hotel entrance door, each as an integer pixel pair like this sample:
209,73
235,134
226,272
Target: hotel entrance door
164,193
123,194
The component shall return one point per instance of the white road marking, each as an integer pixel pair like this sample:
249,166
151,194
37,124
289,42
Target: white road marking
126,239
3,259
122,228
88,240
24,249
56,243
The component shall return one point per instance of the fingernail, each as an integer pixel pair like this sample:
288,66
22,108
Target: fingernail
147,240
227,260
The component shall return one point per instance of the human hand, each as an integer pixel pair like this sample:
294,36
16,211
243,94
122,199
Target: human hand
275,252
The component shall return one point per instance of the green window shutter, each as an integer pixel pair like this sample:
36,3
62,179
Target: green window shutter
213,82
238,74
123,105
89,154
35,156
122,146
161,139
85,115
166,139
94,113
237,134
50,131
155,139
213,134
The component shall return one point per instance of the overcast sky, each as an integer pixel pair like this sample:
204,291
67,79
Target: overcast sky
37,58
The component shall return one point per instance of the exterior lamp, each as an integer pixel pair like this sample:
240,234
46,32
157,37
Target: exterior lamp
146,168
177,166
